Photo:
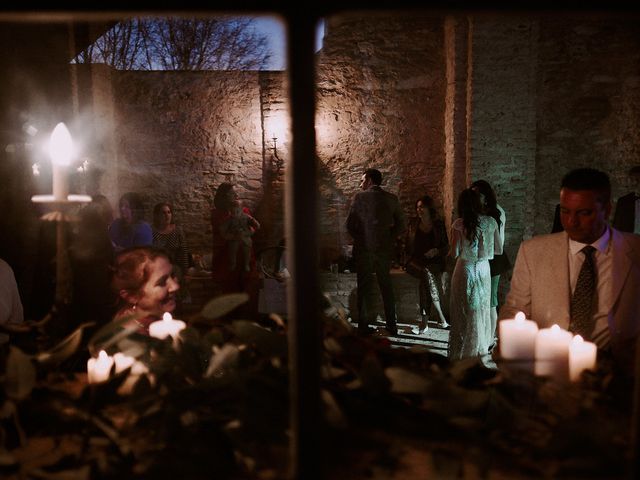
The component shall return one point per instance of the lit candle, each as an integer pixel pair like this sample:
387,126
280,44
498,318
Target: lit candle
517,338
60,150
166,327
582,356
552,353
98,369
122,361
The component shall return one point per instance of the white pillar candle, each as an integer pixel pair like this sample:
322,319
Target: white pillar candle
166,327
60,150
582,356
122,361
517,338
98,369
552,353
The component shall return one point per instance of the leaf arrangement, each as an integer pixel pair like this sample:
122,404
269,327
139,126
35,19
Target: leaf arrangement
216,405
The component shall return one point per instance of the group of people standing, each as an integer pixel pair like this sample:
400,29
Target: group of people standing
585,277
376,220
145,278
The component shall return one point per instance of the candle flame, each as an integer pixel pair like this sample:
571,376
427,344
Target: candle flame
555,328
520,317
103,355
166,317
577,339
61,145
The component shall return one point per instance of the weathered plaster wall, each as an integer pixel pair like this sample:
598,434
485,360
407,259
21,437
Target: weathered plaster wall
381,88
433,102
175,136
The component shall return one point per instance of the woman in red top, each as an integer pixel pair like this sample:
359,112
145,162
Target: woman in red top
226,279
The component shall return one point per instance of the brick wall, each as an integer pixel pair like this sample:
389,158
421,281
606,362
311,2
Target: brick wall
588,103
502,124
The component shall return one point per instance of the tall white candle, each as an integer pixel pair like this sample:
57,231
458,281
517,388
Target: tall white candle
552,353
166,327
582,356
517,338
98,369
60,150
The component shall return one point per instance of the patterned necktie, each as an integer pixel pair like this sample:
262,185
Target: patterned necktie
585,296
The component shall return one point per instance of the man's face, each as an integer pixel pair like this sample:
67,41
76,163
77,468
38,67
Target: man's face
582,215
365,182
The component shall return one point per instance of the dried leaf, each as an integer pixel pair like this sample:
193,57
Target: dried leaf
277,319
220,306
403,381
41,452
372,375
132,348
329,372
6,459
333,412
64,349
221,359
112,333
20,374
82,473
267,342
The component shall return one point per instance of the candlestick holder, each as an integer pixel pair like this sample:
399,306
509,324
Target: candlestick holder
59,212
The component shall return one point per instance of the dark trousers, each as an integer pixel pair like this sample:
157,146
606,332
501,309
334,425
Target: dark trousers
369,266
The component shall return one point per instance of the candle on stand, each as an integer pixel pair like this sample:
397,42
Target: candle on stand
517,338
98,369
60,150
166,327
582,356
552,353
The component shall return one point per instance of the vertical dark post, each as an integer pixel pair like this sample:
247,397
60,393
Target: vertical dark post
302,221
634,461
63,267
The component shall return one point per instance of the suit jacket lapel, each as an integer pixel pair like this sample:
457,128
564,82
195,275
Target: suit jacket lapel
562,287
551,304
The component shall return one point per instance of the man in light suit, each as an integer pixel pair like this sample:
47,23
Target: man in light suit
547,268
375,221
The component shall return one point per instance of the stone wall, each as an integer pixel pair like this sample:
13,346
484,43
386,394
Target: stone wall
381,87
588,103
175,136
433,102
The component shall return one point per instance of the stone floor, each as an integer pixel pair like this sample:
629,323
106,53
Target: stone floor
435,339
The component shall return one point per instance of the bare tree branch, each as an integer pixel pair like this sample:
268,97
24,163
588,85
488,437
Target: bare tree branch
228,43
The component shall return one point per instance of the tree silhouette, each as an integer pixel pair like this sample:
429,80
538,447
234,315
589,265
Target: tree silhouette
122,47
225,43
